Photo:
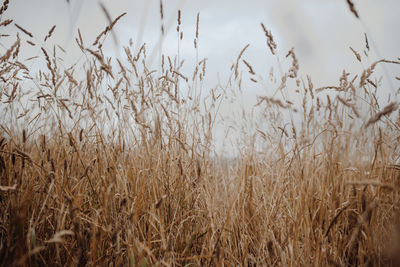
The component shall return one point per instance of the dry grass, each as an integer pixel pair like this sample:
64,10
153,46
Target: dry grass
107,162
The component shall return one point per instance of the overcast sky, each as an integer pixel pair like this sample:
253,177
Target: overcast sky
320,30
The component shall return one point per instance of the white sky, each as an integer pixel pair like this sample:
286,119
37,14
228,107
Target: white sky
320,30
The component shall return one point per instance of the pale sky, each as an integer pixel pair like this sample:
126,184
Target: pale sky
321,32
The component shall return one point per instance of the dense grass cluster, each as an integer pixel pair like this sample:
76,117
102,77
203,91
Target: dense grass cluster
109,162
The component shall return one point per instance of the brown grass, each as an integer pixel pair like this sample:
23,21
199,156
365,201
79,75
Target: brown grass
110,163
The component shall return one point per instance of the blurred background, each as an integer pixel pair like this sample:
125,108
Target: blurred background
321,32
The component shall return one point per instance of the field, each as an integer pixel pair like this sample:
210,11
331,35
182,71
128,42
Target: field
113,162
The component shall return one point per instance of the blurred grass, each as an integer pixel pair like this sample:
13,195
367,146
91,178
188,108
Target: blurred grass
109,162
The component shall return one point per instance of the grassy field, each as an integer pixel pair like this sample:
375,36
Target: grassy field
109,162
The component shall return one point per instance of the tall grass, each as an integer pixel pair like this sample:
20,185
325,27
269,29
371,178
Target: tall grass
109,162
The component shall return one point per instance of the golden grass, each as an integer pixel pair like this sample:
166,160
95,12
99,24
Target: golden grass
108,162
